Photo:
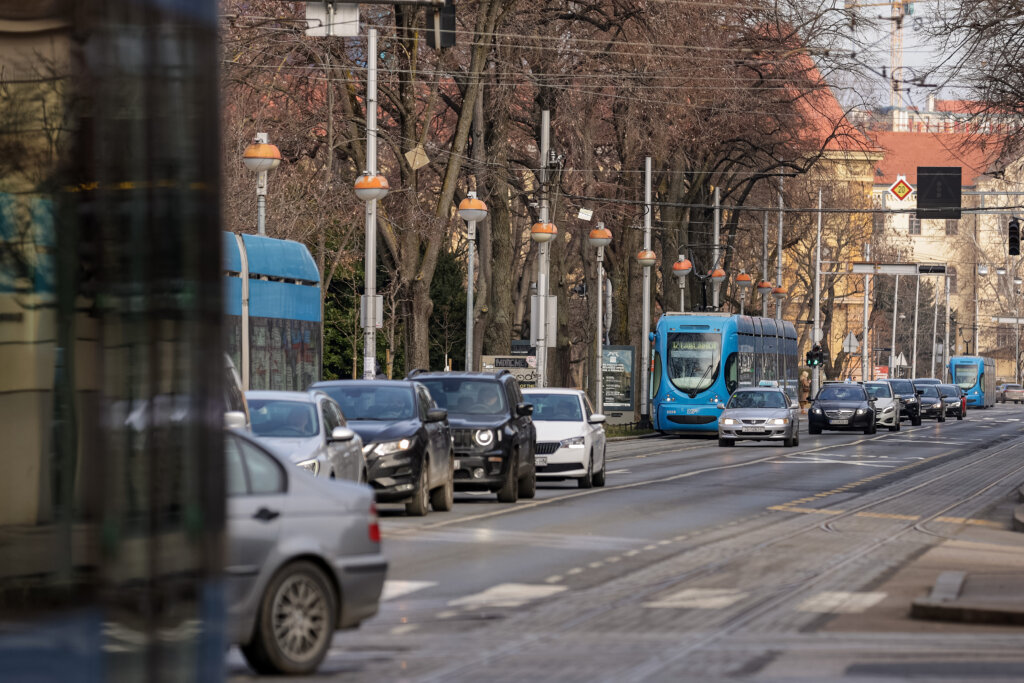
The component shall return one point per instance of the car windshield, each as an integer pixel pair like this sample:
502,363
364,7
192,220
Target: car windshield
928,390
373,402
555,407
841,393
903,386
464,396
693,360
1011,386
758,399
878,390
965,376
948,390
274,417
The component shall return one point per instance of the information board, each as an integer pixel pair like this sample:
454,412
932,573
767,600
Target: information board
523,368
617,379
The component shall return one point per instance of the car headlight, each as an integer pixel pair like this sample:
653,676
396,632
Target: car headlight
730,421
389,447
816,411
311,466
483,437
574,442
368,448
862,411
777,421
887,409
912,399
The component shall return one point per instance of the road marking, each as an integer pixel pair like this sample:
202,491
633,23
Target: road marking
888,515
553,579
507,595
403,629
395,588
699,598
618,472
480,535
840,602
447,614
574,571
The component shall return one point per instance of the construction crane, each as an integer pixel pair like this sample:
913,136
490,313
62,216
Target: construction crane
899,9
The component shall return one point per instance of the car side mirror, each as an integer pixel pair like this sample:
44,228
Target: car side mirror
919,392
524,409
342,434
596,419
234,419
437,415
720,406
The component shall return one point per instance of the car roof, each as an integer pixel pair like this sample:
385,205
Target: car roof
460,374
361,382
552,390
776,389
305,396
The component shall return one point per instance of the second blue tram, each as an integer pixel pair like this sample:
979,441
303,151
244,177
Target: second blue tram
701,358
976,375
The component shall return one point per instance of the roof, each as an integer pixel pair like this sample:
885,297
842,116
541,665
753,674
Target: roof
360,382
959,106
304,396
904,152
552,390
825,123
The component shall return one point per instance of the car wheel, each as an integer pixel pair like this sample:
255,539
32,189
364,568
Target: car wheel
587,480
295,624
417,505
813,430
942,416
915,421
442,499
599,476
788,442
872,429
726,442
960,416
509,491
528,485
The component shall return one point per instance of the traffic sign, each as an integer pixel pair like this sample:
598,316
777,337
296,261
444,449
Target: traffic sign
901,189
850,344
938,191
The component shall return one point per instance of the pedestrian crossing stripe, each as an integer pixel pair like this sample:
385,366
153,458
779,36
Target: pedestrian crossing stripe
396,589
699,598
507,595
840,602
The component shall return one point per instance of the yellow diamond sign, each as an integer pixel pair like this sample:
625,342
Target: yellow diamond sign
901,188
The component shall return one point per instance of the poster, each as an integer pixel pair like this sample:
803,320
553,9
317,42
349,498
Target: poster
617,375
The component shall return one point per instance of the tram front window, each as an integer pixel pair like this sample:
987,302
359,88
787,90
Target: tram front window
966,376
693,360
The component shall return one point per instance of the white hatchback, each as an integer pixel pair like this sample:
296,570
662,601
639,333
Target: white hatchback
570,436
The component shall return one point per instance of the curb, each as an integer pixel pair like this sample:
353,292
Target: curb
946,602
633,438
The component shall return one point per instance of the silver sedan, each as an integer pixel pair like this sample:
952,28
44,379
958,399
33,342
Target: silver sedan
759,414
303,560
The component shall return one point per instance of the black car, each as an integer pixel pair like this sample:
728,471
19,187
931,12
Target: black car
495,440
406,440
930,401
953,399
845,406
910,407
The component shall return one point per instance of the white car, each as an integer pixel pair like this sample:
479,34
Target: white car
570,436
887,406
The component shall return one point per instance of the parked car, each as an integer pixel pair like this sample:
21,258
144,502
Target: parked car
760,414
931,401
310,429
842,406
953,400
303,558
495,439
570,436
927,380
909,406
410,457
1009,392
887,405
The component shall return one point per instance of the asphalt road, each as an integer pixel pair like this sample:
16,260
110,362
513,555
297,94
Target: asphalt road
696,562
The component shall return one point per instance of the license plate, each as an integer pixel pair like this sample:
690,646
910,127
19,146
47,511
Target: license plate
542,460
839,422
458,464
752,429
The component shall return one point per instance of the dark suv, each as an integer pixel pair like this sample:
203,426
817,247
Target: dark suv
910,407
495,440
845,406
406,440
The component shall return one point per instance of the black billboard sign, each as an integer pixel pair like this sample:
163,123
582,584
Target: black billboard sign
938,191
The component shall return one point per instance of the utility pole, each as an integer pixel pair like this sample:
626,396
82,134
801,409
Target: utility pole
764,267
816,333
778,282
542,271
895,309
917,307
865,372
945,343
645,343
370,257
935,329
716,252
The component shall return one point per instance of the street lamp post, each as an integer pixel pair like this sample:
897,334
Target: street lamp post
646,258
764,287
600,237
717,278
982,271
681,269
744,283
471,210
261,157
542,233
779,294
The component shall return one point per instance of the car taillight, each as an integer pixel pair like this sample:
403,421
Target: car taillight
374,524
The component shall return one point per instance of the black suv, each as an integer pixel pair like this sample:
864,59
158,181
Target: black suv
495,440
845,406
406,440
910,406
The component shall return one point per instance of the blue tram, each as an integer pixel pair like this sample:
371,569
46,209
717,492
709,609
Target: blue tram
976,375
701,358
272,303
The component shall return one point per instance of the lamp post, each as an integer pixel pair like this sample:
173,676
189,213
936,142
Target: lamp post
646,258
542,233
471,210
717,278
262,157
744,282
982,272
600,237
765,289
681,269
779,294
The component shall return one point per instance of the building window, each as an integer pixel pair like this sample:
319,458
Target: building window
952,225
878,222
951,274
915,225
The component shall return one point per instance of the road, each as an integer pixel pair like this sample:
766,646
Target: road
696,562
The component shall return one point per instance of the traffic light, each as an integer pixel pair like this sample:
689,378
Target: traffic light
1013,230
815,357
811,358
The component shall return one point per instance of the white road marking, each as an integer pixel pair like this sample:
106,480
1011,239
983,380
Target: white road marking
478,535
699,598
403,629
840,602
507,595
395,589
617,472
